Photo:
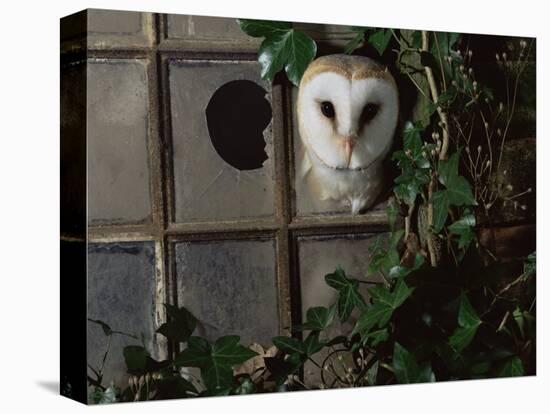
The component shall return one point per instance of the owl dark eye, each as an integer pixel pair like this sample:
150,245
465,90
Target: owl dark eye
369,112
327,109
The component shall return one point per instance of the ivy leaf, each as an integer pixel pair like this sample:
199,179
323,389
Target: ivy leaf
468,322
384,303
288,344
376,337
459,192
380,40
317,319
407,370
441,204
181,325
513,367
412,141
215,361
291,50
246,387
349,296
356,42
448,168
312,345
263,28
530,265
135,358
463,228
100,396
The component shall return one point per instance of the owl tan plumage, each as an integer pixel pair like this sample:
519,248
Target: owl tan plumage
347,111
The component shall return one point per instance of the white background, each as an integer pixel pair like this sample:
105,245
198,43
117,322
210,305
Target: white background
29,204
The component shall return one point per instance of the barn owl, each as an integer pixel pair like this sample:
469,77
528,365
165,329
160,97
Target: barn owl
347,112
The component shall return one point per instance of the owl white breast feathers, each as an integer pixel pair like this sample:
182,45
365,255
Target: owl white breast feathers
347,112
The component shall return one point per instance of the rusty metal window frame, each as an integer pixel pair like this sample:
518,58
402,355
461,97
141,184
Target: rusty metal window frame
285,227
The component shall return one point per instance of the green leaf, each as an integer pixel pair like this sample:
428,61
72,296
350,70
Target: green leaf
468,322
407,370
463,228
215,361
349,296
356,42
181,325
513,367
384,303
291,50
135,358
441,204
459,192
412,140
312,345
376,337
448,168
380,40
461,337
288,344
317,319
530,265
246,387
467,315
99,396
263,28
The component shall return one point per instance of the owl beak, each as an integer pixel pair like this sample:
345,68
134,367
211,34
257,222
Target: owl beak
348,144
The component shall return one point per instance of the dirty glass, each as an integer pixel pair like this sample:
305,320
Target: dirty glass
230,286
114,28
206,28
319,256
118,122
207,184
121,293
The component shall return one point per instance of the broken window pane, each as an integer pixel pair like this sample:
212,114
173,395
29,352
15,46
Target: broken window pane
121,293
319,256
230,286
118,122
115,28
222,140
308,199
206,28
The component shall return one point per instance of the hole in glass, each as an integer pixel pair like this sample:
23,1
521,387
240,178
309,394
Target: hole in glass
237,115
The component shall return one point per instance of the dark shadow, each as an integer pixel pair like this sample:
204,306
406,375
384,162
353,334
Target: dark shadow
51,386
237,115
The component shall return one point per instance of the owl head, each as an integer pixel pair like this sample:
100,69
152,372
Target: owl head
347,111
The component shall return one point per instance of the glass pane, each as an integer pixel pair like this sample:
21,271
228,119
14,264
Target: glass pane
319,256
308,200
121,293
206,28
118,122
222,140
115,28
230,286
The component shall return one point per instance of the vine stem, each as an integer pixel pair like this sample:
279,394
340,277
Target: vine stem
435,96
442,153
